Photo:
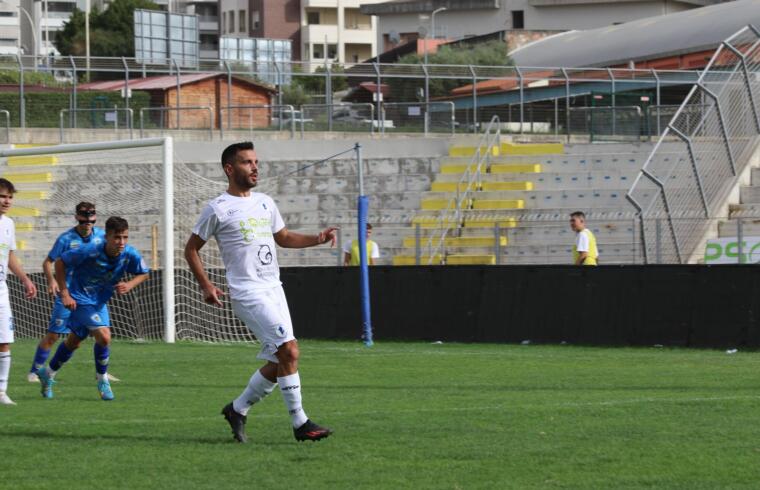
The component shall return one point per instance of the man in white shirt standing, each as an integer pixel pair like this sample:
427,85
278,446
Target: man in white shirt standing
247,225
8,261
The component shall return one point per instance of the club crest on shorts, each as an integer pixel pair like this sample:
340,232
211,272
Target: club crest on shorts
59,322
281,331
96,318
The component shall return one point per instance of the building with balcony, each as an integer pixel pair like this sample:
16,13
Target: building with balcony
9,28
271,19
208,24
336,31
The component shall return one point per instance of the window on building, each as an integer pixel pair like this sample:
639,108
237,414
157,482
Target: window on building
7,14
224,22
231,19
518,19
317,52
312,18
332,51
241,18
255,19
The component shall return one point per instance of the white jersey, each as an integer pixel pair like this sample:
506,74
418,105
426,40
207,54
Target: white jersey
244,228
7,245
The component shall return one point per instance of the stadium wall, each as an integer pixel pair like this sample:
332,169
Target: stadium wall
696,306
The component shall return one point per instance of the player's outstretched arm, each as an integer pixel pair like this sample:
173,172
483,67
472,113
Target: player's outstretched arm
290,239
60,278
211,293
47,268
126,286
15,266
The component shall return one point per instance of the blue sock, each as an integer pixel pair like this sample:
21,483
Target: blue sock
101,358
62,354
40,356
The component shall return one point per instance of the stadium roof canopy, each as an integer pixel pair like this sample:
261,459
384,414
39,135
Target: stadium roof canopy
658,37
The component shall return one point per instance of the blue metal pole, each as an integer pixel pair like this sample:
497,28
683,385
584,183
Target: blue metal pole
363,210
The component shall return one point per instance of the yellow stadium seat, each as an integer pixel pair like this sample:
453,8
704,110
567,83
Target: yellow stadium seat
468,151
498,204
490,223
412,260
474,241
507,186
516,168
24,161
521,149
452,187
31,178
18,212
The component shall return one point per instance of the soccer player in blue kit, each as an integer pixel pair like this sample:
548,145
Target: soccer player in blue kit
96,272
78,236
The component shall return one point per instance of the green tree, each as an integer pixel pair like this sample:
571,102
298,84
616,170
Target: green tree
112,31
315,84
491,53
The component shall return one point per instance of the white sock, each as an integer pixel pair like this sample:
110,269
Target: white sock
290,386
101,377
5,370
51,374
258,387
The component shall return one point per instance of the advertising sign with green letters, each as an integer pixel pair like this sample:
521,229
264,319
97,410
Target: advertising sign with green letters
726,250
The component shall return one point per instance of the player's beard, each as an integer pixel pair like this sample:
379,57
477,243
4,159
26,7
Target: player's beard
242,181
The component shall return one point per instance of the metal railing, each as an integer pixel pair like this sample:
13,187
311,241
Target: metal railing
695,164
165,122
418,116
343,116
451,216
605,123
274,115
524,89
111,112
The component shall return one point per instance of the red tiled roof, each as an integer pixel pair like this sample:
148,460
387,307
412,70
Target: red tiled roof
163,82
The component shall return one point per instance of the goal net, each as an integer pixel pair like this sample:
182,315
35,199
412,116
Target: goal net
127,179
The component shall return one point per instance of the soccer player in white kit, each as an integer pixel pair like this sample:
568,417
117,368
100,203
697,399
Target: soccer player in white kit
8,261
247,225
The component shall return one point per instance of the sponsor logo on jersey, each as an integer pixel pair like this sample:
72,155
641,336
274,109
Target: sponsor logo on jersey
74,245
265,255
264,205
232,212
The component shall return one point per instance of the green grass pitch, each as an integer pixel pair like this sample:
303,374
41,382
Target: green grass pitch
405,415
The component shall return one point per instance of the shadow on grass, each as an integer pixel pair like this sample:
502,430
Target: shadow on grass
221,440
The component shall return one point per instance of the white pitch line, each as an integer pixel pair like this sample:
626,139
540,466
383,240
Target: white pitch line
506,407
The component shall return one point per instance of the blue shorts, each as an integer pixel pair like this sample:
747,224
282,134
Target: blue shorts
88,317
59,318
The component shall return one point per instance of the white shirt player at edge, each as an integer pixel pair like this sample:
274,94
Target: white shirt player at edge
7,245
244,229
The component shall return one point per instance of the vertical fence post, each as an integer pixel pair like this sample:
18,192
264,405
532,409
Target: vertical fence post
567,103
474,100
179,102
522,99
378,99
328,96
426,122
229,96
657,100
417,244
21,101
556,117
72,114
612,98
739,240
126,82
658,240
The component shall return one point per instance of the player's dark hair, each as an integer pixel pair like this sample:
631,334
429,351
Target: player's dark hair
578,214
369,226
116,224
229,153
84,206
7,185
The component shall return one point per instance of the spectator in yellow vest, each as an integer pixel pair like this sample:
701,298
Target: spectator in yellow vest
351,250
584,250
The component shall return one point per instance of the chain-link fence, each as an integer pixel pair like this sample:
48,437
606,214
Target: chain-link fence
702,152
373,97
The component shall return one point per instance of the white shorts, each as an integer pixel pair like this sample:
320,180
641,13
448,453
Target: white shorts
6,317
266,314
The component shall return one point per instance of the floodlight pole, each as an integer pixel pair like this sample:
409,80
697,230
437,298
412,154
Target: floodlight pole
87,37
363,208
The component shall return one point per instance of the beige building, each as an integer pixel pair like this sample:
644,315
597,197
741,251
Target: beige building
336,30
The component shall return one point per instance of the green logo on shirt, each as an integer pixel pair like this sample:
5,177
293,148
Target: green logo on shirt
255,227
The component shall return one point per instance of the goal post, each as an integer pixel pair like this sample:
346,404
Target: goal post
70,162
